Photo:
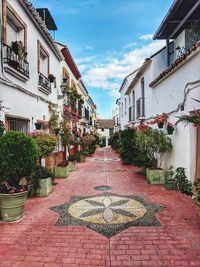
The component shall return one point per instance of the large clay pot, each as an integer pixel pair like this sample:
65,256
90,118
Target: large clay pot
155,176
61,172
45,187
12,206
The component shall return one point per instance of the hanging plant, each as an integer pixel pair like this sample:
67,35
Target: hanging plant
170,128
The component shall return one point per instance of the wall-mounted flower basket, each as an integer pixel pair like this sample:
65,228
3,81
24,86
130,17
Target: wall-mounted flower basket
51,78
38,126
170,131
160,125
170,128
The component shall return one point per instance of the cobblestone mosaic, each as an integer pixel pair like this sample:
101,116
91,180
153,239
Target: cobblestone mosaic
107,213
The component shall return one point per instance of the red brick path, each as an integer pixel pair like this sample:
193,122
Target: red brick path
36,241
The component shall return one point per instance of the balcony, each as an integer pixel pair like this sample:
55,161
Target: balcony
44,84
15,65
132,113
140,109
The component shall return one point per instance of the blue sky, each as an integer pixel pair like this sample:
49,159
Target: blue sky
108,40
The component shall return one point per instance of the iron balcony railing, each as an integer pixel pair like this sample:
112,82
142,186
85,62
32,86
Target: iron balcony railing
140,108
44,82
132,113
14,61
87,114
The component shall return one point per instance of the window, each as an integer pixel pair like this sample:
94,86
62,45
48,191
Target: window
17,124
140,103
102,130
122,109
125,106
14,30
132,108
43,69
65,76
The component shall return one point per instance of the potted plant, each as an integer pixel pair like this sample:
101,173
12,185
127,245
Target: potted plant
170,128
62,169
19,49
160,120
72,162
196,197
182,184
46,144
157,143
82,155
18,155
169,180
51,78
128,145
2,128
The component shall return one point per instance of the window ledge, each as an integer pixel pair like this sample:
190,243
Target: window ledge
16,73
44,90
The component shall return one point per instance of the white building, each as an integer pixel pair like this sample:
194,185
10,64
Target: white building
33,78
168,82
105,129
115,116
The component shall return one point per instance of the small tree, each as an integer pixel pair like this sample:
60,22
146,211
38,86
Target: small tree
157,143
18,156
45,143
182,184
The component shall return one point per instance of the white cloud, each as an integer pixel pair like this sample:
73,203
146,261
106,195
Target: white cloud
146,37
89,47
131,45
107,72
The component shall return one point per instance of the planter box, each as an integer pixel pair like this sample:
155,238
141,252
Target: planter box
169,184
61,172
81,158
72,166
45,187
198,207
155,176
12,206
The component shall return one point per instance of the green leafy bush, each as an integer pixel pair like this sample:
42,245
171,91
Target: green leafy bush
128,149
182,184
114,141
18,156
37,174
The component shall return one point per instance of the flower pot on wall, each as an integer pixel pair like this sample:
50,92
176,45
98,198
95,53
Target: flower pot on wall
160,125
12,206
170,131
61,172
45,187
155,176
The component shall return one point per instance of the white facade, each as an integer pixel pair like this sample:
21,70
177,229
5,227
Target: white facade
28,94
172,94
115,116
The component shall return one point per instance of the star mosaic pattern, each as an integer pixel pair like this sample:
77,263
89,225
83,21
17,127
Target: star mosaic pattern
107,213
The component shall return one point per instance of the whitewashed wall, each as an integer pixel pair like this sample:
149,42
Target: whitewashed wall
19,103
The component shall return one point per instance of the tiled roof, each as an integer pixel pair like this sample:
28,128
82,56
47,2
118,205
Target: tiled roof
176,64
106,124
41,24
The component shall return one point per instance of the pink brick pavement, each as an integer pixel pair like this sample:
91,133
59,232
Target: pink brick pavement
36,241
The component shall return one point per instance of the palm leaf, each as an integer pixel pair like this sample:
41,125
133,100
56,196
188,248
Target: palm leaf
187,119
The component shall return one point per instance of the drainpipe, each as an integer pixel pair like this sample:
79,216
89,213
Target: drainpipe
167,47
